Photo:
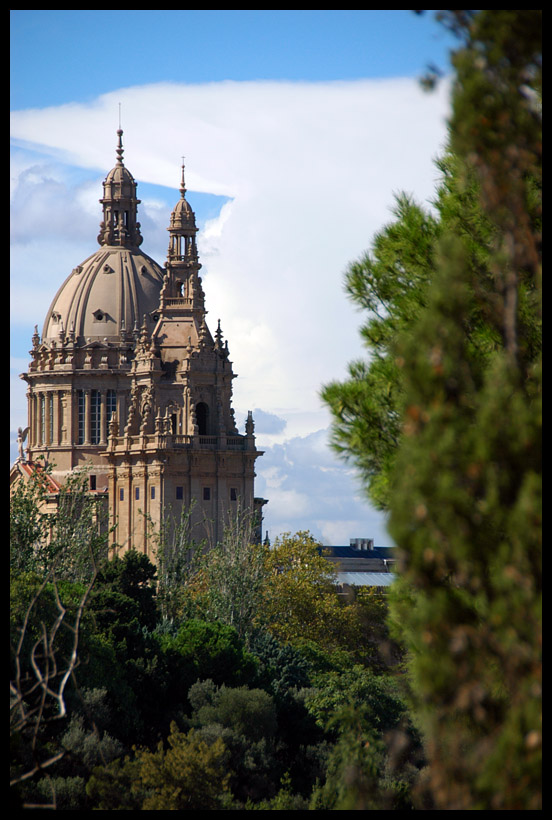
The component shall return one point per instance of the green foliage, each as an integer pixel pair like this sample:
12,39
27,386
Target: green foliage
248,712
233,577
116,786
72,541
468,520
189,775
28,525
381,700
284,800
281,668
209,650
300,601
179,562
126,587
245,721
454,374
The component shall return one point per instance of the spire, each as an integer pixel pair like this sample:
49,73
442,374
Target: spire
183,183
120,149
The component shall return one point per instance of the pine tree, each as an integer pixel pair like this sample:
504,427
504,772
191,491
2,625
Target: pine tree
462,477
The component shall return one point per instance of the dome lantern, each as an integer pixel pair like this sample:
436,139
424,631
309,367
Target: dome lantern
119,226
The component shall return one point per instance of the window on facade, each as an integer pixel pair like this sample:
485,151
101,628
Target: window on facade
80,406
179,493
42,420
95,416
137,493
92,482
121,494
233,494
152,493
51,418
202,418
111,404
206,493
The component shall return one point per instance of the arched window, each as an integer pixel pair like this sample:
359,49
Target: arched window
202,418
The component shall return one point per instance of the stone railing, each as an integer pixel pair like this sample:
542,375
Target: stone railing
168,440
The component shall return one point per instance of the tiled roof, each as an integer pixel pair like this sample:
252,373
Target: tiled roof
30,468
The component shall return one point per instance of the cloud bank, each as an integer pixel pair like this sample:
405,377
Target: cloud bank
308,173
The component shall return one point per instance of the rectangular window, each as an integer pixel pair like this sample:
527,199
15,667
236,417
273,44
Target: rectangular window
95,416
92,482
42,420
179,493
111,404
121,494
152,493
51,418
233,494
80,406
137,493
206,493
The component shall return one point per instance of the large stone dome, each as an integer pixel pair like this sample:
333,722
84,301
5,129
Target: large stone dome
106,296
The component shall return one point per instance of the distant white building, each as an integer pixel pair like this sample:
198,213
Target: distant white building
362,564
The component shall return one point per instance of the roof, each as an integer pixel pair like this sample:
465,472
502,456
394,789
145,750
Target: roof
366,579
31,468
353,552
110,292
362,567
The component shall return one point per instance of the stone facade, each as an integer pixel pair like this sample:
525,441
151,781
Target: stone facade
127,379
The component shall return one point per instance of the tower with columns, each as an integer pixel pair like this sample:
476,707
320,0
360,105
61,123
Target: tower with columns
127,379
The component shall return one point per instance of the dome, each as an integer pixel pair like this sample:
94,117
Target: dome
182,217
106,296
120,173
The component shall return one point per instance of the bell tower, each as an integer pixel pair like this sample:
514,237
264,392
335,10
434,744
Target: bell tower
180,448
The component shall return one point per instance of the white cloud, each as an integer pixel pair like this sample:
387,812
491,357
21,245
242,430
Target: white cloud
308,489
310,170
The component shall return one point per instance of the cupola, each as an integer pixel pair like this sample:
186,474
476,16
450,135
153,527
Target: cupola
120,205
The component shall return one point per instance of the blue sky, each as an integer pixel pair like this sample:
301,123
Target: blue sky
298,128
60,56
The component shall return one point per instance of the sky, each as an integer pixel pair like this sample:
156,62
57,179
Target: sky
298,130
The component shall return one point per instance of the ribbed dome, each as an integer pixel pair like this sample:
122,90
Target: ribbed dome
121,176
106,296
182,215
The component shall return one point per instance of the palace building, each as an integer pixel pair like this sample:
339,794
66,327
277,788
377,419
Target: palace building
128,380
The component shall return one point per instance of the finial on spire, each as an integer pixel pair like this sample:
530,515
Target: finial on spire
218,337
183,183
119,151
